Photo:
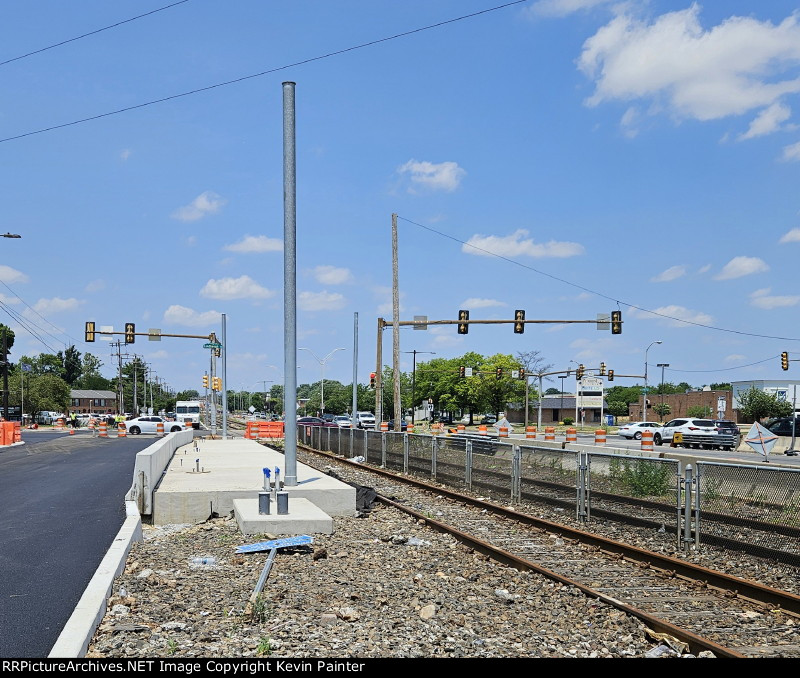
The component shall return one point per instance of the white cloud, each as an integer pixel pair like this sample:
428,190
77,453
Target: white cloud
675,315
630,122
331,275
768,121
741,266
704,269
516,244
204,204
158,354
734,358
254,244
444,176
95,286
729,69
672,273
791,236
11,275
762,299
125,154
561,8
443,337
475,302
9,300
320,301
181,315
243,287
56,305
791,153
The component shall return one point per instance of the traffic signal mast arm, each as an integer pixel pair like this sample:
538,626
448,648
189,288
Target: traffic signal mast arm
207,337
411,323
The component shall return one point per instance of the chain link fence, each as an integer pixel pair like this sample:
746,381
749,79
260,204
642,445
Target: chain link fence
730,505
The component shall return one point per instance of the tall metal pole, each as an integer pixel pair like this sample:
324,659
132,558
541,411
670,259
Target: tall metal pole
5,374
224,379
644,396
353,421
213,370
379,376
398,405
539,415
289,285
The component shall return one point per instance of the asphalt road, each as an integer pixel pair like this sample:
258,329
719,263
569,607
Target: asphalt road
63,504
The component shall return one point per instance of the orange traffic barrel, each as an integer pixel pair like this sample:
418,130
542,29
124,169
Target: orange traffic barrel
530,432
550,433
572,435
647,441
160,428
410,428
121,430
600,437
504,432
103,429
60,423
461,428
482,429
384,426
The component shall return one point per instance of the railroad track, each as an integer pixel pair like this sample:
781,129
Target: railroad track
705,609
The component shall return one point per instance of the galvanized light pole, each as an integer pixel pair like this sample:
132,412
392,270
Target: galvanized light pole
644,395
322,380
414,385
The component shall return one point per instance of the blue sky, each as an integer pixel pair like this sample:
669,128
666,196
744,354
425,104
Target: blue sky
635,155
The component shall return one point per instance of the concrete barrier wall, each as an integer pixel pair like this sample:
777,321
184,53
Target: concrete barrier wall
74,639
150,466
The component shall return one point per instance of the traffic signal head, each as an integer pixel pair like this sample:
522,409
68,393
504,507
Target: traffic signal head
372,380
89,332
602,369
216,383
785,360
130,333
519,321
611,375
616,322
462,371
522,373
579,372
463,322
499,373
205,381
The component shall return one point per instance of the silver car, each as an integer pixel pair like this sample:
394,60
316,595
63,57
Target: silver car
139,425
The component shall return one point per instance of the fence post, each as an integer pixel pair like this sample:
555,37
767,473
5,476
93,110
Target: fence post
581,510
383,448
405,452
688,482
366,445
697,480
434,451
516,472
328,449
468,469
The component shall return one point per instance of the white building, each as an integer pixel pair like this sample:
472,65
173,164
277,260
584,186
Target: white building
785,389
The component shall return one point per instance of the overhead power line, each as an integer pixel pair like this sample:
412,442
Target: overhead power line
277,69
86,35
595,292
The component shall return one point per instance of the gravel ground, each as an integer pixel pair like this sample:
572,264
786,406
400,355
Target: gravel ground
382,585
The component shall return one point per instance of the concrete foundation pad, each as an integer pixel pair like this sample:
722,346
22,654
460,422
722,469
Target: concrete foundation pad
303,518
232,469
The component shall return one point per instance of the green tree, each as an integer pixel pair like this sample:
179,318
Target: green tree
496,393
90,377
190,394
662,409
71,363
699,411
47,392
721,386
756,405
619,408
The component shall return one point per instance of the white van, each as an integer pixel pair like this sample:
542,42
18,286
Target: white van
365,420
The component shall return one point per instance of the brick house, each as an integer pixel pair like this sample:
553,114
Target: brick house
85,401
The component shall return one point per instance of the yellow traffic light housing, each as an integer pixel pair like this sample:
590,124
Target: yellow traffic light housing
611,375
463,322
499,373
519,321
89,332
130,333
205,381
616,322
785,360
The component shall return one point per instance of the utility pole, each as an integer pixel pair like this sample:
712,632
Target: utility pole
5,374
398,405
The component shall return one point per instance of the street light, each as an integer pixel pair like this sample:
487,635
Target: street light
662,366
322,380
11,235
414,382
644,395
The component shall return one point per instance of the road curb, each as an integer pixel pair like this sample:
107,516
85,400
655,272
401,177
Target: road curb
73,642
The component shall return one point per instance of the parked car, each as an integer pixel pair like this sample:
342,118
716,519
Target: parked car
403,425
729,427
783,426
138,425
489,419
696,433
328,417
342,421
365,420
634,429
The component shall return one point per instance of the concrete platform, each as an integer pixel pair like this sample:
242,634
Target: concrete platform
232,469
303,518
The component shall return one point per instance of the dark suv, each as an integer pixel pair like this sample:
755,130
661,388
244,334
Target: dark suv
729,427
783,426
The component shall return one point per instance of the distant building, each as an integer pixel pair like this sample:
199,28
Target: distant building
556,408
679,404
785,389
85,401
